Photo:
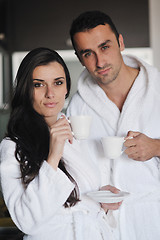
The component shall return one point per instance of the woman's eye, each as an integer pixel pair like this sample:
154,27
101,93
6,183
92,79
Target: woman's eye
59,83
37,84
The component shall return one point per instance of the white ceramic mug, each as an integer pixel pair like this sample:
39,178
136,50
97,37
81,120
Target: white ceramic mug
80,125
112,146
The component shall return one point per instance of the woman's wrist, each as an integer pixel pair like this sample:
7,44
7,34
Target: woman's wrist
53,161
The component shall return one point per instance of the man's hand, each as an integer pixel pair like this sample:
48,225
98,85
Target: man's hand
140,147
110,206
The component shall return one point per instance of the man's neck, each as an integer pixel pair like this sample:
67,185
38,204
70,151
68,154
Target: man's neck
118,90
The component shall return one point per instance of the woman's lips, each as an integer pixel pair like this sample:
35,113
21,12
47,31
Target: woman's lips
50,105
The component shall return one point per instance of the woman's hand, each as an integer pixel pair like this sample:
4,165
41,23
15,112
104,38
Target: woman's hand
110,206
60,131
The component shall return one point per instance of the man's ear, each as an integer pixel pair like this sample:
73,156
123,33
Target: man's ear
121,42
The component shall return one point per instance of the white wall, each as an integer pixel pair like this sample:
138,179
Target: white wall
154,25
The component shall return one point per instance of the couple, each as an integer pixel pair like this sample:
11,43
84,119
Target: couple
44,179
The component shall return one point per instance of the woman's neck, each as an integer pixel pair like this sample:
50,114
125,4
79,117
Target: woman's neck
50,120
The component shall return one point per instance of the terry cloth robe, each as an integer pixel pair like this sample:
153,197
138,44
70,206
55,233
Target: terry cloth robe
38,211
139,216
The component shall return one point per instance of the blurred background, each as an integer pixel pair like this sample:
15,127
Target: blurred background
27,24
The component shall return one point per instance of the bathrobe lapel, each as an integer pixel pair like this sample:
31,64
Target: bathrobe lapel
96,99
135,115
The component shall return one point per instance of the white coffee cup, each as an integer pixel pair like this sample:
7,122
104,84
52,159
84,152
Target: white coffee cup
112,146
80,125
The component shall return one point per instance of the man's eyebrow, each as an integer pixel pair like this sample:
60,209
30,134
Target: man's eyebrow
90,50
85,51
104,43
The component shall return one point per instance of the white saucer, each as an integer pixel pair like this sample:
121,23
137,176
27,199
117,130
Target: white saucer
107,196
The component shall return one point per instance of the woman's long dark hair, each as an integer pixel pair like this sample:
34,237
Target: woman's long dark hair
26,127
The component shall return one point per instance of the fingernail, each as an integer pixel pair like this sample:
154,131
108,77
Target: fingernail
62,116
129,138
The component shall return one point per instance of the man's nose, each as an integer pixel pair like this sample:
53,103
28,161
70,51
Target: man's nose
100,61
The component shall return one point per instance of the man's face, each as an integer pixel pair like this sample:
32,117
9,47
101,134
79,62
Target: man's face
99,52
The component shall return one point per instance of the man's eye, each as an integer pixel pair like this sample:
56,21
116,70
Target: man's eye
88,54
104,47
59,83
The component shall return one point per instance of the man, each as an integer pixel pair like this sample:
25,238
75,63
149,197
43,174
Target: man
122,93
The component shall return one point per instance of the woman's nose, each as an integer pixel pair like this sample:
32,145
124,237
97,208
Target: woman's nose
49,92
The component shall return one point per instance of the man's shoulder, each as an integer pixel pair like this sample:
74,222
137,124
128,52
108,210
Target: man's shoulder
75,105
75,99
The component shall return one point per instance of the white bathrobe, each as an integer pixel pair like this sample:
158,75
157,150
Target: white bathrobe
139,216
38,211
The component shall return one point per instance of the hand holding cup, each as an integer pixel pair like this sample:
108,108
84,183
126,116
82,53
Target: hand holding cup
112,146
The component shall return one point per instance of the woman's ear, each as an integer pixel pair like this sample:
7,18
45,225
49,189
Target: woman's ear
66,95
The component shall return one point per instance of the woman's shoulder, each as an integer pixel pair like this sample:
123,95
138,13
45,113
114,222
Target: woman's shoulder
7,145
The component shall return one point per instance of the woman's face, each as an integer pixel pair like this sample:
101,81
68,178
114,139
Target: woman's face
49,90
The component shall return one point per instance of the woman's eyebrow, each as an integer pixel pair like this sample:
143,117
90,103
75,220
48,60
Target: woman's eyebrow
36,79
59,78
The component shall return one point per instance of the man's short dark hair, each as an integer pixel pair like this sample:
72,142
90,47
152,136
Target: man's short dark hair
89,20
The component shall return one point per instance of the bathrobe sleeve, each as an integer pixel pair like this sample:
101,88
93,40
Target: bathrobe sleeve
44,196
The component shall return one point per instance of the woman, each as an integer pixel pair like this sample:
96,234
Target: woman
44,172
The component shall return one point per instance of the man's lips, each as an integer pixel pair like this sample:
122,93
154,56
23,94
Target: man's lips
50,105
104,71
